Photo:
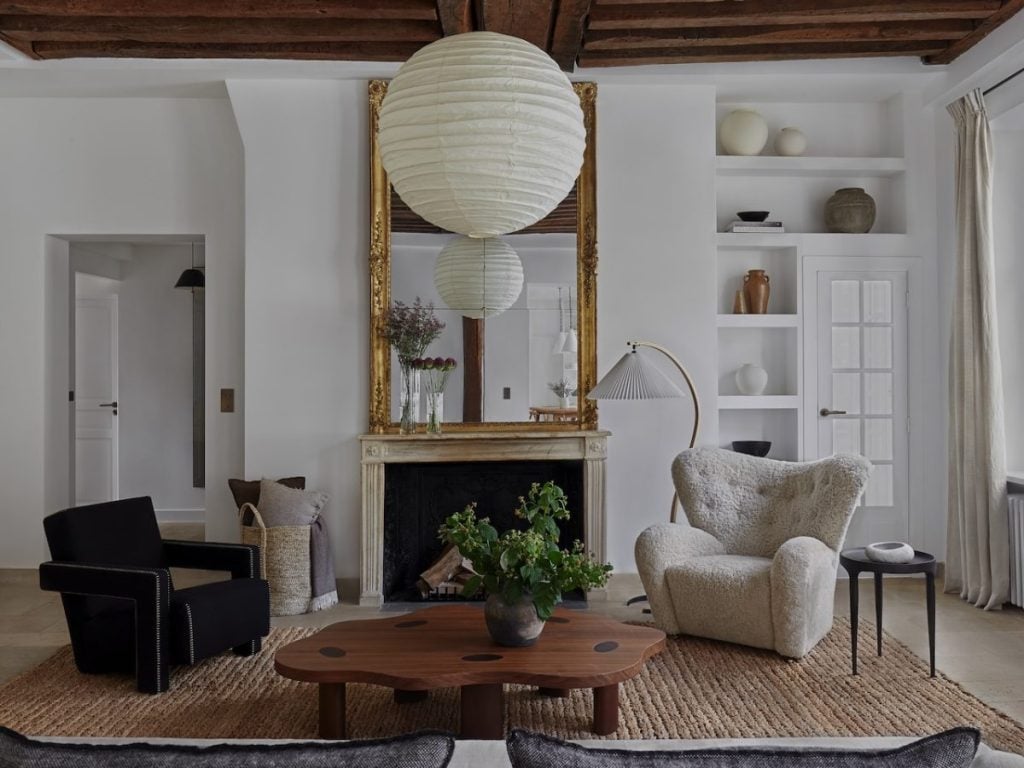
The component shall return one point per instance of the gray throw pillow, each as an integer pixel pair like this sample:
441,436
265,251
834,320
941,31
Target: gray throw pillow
426,750
281,505
951,749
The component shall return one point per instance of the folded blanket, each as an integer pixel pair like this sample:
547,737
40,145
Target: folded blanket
321,558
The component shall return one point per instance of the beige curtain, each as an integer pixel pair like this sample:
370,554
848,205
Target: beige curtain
977,546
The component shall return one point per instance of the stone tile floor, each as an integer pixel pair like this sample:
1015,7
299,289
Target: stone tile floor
982,650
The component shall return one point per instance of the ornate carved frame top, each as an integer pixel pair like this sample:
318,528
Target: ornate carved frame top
586,281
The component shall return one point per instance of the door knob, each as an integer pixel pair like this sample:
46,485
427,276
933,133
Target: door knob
830,412
109,405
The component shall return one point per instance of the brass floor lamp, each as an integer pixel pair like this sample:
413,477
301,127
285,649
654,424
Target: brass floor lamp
635,377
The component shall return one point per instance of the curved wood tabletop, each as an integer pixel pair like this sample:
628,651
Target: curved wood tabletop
448,646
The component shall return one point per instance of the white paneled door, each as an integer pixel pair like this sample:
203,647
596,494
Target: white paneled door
95,399
862,392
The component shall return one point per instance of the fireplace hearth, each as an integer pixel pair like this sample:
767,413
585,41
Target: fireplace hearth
419,497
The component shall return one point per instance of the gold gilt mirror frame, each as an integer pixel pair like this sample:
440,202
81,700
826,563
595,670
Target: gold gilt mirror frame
586,284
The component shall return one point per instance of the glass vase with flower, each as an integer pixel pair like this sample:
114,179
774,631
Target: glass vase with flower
410,329
436,371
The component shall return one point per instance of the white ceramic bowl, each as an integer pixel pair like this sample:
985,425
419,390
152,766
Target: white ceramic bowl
889,552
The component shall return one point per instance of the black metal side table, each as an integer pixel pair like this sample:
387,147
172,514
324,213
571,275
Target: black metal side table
855,562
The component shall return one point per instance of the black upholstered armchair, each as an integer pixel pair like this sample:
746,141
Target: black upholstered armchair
124,614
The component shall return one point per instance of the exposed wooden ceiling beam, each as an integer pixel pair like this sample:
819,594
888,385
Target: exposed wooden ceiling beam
984,28
528,19
567,33
772,12
456,16
19,45
216,50
191,30
684,55
611,40
423,10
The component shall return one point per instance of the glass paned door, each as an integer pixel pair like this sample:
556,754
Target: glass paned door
862,392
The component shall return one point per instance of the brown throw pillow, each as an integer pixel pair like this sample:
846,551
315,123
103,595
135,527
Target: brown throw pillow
248,491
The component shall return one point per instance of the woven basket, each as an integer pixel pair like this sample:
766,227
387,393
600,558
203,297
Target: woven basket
284,561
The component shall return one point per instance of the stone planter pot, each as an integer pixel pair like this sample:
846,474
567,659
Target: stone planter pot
851,211
515,625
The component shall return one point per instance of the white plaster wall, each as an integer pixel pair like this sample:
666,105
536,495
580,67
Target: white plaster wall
106,166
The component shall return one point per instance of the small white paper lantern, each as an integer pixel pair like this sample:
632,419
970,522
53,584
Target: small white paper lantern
481,134
478,277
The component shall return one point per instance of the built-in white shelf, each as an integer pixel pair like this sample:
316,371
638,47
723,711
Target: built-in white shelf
854,167
758,321
758,402
819,243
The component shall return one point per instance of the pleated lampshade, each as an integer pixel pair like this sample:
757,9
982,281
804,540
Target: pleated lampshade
478,277
634,377
481,133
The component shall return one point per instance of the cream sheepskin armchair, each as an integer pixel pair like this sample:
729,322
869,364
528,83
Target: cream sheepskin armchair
757,563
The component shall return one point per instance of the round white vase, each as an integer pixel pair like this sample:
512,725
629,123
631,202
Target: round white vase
751,379
791,142
743,132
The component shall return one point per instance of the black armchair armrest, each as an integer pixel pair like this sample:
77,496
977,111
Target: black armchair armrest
148,588
243,560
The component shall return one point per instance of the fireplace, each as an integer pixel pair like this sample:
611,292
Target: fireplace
418,498
411,483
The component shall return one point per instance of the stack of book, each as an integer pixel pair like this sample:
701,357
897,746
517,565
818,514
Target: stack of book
756,226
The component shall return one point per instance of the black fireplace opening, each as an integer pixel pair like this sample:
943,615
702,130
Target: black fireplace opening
418,498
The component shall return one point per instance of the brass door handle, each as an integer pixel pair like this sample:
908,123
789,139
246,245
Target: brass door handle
830,412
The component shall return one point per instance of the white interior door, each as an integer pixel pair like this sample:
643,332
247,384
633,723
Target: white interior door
862,392
96,400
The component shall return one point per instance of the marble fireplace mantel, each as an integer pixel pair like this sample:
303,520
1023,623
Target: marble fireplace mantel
590,447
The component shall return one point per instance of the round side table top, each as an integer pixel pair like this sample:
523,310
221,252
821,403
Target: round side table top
922,562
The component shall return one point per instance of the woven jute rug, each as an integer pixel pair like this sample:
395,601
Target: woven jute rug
695,689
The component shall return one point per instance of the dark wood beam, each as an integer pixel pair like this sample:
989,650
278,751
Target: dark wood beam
567,32
685,55
19,45
456,16
113,28
528,19
472,370
612,40
216,50
984,28
773,12
423,10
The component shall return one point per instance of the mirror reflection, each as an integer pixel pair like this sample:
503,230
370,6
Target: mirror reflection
513,365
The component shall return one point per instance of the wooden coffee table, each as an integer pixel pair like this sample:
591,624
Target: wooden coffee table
448,646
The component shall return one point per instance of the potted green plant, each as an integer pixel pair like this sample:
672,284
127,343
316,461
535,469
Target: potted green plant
524,572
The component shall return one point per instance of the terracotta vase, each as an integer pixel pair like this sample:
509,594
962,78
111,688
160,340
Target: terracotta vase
739,304
756,289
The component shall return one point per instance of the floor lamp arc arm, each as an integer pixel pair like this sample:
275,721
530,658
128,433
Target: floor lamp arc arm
696,405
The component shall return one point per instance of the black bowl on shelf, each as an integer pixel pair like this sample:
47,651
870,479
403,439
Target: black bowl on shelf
752,447
753,215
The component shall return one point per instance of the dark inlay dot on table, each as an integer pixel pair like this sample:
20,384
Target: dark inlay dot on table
409,624
558,620
332,652
606,646
482,657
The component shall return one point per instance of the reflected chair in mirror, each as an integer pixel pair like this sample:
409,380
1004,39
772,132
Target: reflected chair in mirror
124,614
757,563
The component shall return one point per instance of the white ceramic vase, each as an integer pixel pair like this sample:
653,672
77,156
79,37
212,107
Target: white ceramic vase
751,379
743,132
791,142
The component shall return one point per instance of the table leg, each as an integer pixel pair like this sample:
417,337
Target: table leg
409,697
878,611
930,591
332,711
854,614
483,711
606,710
554,693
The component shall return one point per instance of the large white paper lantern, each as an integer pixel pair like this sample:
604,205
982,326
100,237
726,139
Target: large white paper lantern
478,277
481,134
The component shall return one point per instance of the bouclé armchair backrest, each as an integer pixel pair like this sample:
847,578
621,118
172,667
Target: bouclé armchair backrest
755,505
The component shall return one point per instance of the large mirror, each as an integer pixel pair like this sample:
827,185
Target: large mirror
525,368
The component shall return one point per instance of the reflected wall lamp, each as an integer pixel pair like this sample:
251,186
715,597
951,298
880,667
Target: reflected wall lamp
192,279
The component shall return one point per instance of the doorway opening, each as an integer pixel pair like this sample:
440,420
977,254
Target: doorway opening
135,351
